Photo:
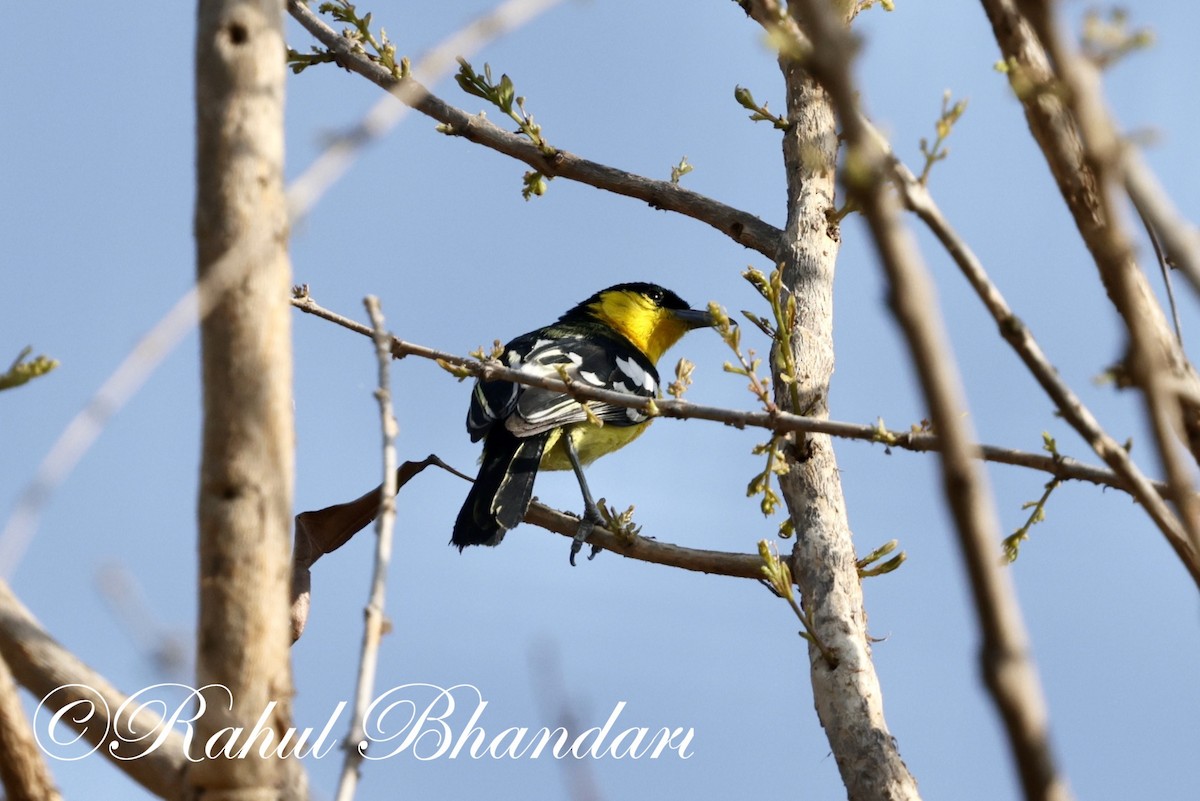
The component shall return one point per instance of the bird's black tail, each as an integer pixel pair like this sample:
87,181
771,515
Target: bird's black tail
500,496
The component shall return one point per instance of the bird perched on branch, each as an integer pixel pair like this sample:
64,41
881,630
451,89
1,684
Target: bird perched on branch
612,341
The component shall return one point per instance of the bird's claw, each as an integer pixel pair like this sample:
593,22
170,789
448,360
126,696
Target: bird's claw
588,522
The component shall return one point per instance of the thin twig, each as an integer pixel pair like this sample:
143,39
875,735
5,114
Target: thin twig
339,153
1008,670
373,623
1180,238
644,549
1165,270
742,227
917,441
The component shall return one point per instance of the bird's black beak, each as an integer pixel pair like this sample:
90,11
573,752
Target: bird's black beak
695,318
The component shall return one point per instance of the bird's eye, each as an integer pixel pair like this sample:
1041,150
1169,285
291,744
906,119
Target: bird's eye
656,295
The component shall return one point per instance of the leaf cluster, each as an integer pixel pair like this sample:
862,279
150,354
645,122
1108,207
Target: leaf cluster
502,94
22,371
1107,40
358,32
777,575
943,126
778,328
758,113
1012,543
681,169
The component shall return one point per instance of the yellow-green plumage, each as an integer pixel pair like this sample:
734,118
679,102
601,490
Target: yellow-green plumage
591,442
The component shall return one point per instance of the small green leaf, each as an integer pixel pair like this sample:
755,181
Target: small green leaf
504,94
533,185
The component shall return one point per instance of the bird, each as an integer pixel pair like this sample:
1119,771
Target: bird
612,341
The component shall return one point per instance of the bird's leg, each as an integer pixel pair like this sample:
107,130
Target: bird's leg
591,515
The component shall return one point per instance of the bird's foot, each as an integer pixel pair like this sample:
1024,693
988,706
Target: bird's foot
591,517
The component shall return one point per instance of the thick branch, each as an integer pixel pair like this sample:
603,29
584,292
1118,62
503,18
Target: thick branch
740,226
846,690
244,503
1077,139
49,671
23,771
1008,670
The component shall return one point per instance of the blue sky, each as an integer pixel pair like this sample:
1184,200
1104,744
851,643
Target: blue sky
97,198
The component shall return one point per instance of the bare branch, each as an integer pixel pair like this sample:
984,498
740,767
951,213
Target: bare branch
328,529
385,522
1155,355
645,549
742,227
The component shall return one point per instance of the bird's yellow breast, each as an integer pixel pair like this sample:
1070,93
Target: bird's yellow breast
591,442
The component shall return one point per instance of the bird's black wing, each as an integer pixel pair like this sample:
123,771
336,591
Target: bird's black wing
496,400
592,361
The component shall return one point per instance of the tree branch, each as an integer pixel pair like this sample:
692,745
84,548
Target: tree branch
783,422
1008,670
325,530
1149,494
845,686
335,159
385,522
1081,148
52,673
1154,352
1182,535
23,771
245,483
740,226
